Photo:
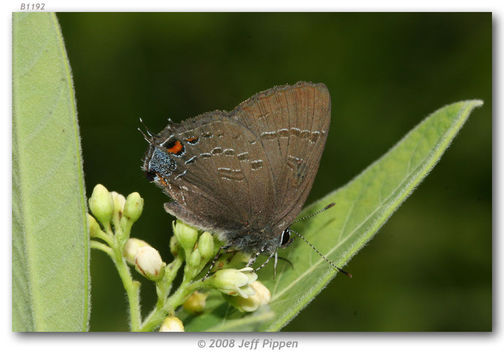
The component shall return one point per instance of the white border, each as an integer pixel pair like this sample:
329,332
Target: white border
334,345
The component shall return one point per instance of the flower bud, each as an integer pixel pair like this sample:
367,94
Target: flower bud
172,324
234,282
101,204
194,259
119,202
262,296
131,249
133,206
174,246
195,304
206,245
149,263
94,227
186,235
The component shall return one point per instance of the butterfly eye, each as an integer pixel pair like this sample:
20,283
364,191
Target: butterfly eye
150,175
285,238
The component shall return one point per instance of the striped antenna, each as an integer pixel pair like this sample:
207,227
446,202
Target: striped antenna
150,136
315,213
333,265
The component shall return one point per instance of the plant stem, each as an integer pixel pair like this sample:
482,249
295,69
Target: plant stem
157,316
99,246
106,237
163,287
132,290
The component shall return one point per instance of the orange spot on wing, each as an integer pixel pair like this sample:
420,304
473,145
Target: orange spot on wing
176,148
192,139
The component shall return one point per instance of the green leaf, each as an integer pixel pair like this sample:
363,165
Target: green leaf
50,250
361,208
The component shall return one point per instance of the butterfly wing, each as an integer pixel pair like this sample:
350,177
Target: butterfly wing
219,181
248,169
292,123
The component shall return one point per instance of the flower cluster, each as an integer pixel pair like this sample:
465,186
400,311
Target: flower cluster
117,214
111,221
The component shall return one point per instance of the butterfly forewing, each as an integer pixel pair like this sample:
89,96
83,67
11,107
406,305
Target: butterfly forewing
222,177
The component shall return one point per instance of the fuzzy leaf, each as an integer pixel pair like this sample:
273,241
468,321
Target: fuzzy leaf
50,251
362,207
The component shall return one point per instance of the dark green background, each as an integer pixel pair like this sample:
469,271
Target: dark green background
430,267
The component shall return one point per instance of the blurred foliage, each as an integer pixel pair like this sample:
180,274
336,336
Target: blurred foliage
430,267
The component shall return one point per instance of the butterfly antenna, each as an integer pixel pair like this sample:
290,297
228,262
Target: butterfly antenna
333,265
315,213
147,134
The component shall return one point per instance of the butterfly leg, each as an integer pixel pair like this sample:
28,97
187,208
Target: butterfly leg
214,260
275,264
267,260
253,258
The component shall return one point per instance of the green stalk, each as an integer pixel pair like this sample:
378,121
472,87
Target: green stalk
132,290
100,246
163,287
157,316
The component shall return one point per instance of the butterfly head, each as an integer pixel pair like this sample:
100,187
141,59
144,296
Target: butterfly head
285,238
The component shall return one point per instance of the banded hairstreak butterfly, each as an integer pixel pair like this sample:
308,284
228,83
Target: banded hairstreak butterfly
244,174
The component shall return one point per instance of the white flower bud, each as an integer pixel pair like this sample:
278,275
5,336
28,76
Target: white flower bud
149,263
262,296
131,249
234,282
119,201
172,324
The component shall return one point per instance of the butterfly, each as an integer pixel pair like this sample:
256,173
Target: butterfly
244,174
